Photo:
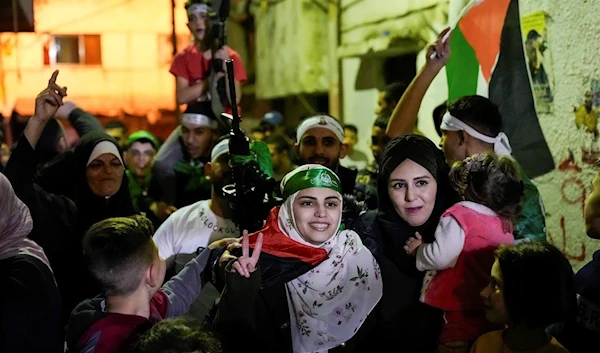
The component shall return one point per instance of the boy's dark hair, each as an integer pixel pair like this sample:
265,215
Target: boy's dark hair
394,91
280,142
115,124
538,284
179,335
490,180
351,127
438,115
479,113
118,250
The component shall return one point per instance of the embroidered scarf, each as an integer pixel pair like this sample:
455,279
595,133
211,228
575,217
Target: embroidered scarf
329,303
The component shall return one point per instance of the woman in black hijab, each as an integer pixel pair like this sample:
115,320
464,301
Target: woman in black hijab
406,323
60,222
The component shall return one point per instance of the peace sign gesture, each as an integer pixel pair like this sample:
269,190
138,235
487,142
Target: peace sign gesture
246,264
50,99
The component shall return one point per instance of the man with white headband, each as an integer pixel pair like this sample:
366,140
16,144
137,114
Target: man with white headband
472,124
180,179
320,141
190,229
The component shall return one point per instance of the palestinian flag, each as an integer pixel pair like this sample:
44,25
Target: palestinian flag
488,59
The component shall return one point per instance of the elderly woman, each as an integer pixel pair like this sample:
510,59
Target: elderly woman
315,285
413,191
102,192
29,299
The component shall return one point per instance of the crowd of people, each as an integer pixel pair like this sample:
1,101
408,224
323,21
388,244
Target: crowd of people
125,243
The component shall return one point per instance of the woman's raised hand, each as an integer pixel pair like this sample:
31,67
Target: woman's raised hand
246,264
50,99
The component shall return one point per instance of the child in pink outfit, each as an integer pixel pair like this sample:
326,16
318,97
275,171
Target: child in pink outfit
459,261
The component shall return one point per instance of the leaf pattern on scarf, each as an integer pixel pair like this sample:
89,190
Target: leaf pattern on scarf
325,306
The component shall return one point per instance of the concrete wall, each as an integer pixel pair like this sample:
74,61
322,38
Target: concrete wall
358,105
573,38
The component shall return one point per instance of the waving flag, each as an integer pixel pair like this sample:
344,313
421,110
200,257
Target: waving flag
488,59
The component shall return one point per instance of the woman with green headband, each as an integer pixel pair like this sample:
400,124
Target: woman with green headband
315,285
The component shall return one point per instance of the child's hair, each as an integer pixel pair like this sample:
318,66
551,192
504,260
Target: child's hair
490,180
178,335
117,252
538,284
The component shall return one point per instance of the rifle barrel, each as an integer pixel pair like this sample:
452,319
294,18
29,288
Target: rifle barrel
232,95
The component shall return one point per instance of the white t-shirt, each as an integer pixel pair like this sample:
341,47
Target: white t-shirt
192,227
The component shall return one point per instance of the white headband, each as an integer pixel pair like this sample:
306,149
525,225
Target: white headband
322,121
102,148
501,143
219,149
202,8
199,119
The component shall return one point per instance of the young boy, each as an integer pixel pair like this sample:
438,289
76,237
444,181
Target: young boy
122,256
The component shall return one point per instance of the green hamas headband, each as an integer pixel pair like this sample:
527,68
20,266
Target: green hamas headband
311,178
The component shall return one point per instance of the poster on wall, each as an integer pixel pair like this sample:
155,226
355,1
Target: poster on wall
539,61
488,59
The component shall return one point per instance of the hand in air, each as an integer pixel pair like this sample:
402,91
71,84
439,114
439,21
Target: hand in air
413,243
50,99
246,264
438,53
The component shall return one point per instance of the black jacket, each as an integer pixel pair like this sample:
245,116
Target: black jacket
405,323
60,222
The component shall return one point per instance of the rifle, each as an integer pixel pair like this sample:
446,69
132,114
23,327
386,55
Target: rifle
253,192
218,17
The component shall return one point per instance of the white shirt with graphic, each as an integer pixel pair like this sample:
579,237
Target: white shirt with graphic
192,227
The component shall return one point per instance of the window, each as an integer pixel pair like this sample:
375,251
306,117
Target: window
165,47
73,49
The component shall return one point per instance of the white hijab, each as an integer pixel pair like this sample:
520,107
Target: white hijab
329,303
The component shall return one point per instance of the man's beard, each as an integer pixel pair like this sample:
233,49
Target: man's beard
219,183
326,162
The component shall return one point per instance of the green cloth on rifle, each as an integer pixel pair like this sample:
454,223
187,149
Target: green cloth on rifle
259,153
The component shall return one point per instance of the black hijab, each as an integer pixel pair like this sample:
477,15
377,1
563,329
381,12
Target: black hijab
395,231
46,146
90,207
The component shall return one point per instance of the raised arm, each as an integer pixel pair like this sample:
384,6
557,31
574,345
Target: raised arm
405,114
22,166
82,121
